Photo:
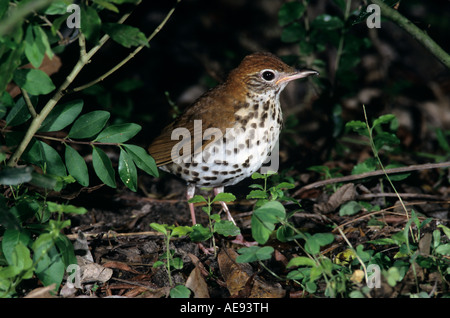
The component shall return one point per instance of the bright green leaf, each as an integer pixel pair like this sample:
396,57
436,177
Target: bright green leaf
88,125
127,171
254,253
103,167
34,48
125,35
62,115
224,197
226,228
180,291
12,237
159,227
197,199
142,159
118,133
20,113
76,166
200,233
34,81
301,261
349,208
90,23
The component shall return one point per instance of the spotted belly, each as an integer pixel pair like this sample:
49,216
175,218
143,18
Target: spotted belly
235,153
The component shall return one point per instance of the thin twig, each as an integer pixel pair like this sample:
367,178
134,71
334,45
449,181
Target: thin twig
371,174
128,58
30,106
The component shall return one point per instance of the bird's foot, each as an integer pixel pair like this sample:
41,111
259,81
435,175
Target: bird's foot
206,250
241,241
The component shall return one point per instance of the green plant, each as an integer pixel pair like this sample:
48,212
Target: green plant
215,224
48,131
40,248
167,259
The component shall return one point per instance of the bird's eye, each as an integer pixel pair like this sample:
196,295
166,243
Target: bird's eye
268,75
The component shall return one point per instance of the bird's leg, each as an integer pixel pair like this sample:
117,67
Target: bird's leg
239,238
190,194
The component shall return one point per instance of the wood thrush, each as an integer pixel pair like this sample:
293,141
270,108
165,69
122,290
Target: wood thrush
231,130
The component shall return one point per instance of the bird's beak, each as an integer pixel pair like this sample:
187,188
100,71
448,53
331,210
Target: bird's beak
296,75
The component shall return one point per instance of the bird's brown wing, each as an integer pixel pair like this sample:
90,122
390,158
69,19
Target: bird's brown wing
215,109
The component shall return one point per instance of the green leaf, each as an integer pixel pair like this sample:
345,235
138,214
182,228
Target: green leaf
224,197
62,115
301,261
159,228
383,119
142,159
290,12
257,194
49,265
327,22
257,175
118,133
177,263
445,229
41,37
358,127
293,33
125,35
64,208
43,155
180,291
90,24
181,231
264,220
384,241
103,167
15,176
88,125
34,47
12,237
127,170
66,250
226,228
34,81
57,7
51,160
20,113
197,199
350,208
107,5
313,243
9,62
200,233
76,166
368,165
443,249
254,253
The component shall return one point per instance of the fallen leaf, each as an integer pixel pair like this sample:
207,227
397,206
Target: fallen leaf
344,194
196,283
42,292
242,282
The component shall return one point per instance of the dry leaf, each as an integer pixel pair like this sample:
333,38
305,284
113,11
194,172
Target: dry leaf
344,194
196,283
42,292
240,280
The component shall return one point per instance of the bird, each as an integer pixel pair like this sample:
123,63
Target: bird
230,131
